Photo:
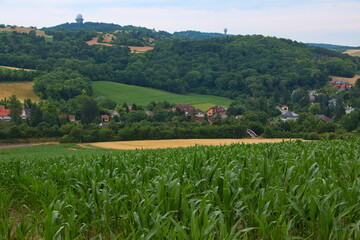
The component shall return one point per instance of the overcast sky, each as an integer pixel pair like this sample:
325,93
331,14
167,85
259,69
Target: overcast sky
318,21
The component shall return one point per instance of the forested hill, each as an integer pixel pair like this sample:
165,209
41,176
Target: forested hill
230,66
340,48
111,27
193,35
234,66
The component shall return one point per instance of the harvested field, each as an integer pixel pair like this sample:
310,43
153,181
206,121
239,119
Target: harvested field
140,49
350,80
176,143
353,52
133,49
94,41
15,68
24,30
22,90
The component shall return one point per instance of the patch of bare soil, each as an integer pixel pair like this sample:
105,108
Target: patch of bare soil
15,68
176,143
24,30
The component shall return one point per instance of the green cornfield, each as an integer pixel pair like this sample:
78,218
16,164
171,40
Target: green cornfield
288,190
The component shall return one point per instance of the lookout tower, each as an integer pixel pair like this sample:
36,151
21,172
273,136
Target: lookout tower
79,19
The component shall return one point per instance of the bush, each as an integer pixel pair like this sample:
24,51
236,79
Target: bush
67,139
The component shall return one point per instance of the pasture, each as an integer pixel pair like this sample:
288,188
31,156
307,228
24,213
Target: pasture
22,90
130,94
287,190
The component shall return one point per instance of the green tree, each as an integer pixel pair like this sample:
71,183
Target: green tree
15,107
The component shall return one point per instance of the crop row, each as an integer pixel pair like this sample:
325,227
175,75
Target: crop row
289,190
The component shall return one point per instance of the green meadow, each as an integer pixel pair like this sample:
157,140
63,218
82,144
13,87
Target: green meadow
143,96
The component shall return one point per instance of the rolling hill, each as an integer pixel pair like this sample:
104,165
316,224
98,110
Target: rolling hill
143,96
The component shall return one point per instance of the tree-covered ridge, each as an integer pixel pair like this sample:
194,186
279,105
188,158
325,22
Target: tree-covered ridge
193,35
232,66
122,35
255,66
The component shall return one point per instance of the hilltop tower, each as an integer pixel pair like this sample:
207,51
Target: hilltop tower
79,19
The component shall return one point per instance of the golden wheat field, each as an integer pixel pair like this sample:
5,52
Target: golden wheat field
176,143
353,52
16,68
22,90
350,80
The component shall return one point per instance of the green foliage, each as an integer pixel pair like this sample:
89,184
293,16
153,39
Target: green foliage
290,190
192,35
8,75
62,84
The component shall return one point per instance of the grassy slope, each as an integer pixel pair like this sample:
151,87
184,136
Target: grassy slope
46,151
140,95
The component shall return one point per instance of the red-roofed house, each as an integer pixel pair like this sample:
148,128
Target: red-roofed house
188,109
105,118
72,118
215,110
5,114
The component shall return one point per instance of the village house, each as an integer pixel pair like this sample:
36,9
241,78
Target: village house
342,85
333,103
323,117
199,113
286,114
25,113
71,118
113,113
312,95
105,118
4,113
188,109
349,109
215,110
289,116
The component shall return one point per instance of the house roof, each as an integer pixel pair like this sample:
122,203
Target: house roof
289,114
113,113
4,112
218,108
71,117
323,117
183,107
104,116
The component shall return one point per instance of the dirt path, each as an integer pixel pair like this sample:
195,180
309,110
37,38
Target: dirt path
175,143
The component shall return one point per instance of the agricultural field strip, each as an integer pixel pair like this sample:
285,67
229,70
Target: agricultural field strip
176,143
